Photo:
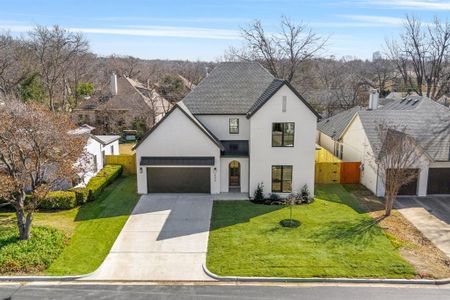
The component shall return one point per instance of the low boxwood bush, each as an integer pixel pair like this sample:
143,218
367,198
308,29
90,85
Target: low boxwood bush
59,200
33,255
103,178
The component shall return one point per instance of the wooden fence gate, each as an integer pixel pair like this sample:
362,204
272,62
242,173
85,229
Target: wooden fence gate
330,169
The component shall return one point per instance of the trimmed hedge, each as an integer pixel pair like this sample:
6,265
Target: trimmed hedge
78,196
59,200
82,194
103,178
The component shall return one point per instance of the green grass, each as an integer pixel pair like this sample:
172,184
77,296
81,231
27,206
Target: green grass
90,230
335,239
99,224
31,256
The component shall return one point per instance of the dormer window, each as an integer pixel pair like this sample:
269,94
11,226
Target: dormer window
233,126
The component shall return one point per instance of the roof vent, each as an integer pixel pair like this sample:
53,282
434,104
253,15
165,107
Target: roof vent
409,100
415,102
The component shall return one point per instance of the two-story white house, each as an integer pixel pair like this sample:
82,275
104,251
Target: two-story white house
239,127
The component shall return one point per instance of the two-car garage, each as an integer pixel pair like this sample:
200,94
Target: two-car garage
178,174
178,180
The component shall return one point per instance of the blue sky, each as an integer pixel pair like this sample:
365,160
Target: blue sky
200,29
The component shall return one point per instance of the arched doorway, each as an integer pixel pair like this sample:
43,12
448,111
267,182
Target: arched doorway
234,179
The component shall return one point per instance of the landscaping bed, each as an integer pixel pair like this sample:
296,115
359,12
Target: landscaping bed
335,238
427,259
88,232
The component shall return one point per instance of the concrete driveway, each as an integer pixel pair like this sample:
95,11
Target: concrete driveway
165,238
431,215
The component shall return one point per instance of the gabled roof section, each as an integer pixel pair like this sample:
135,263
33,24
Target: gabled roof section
231,88
190,116
105,139
274,86
428,123
335,125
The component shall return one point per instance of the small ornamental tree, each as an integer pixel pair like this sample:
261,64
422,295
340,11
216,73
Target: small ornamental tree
37,153
397,159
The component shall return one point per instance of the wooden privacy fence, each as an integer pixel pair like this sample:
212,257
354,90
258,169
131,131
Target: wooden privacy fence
330,169
127,161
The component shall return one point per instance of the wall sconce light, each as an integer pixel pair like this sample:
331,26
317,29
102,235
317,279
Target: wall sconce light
140,170
215,172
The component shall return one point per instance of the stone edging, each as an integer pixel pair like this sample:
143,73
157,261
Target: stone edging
326,280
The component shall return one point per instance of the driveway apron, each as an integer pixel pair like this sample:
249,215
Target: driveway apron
431,215
165,238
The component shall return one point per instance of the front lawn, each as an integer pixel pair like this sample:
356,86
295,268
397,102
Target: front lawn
90,231
336,238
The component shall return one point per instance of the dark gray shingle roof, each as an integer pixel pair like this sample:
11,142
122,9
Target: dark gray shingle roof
335,125
231,88
428,123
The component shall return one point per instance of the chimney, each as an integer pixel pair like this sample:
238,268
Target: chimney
114,84
206,71
373,99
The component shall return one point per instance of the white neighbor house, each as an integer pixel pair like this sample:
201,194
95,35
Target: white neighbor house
97,146
352,135
239,127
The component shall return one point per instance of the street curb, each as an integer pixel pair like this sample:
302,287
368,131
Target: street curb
326,280
44,278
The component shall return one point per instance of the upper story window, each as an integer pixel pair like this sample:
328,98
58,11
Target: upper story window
233,126
283,134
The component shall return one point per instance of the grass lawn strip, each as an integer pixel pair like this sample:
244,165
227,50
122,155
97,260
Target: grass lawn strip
335,239
99,224
89,232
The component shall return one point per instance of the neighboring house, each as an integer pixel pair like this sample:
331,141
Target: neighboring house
239,127
97,147
127,102
354,133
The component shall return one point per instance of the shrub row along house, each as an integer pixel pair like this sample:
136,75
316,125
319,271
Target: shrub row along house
352,136
238,128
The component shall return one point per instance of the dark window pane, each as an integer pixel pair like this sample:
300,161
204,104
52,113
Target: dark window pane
283,134
276,186
287,186
287,173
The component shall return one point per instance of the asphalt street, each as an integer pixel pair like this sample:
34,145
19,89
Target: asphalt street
181,292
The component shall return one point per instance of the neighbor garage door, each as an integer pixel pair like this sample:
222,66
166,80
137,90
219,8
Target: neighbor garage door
178,180
438,181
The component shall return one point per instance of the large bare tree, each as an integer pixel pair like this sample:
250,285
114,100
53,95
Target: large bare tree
397,157
37,153
422,56
281,53
55,50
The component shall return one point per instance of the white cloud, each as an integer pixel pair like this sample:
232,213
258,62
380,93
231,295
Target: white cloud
157,31
376,20
361,21
411,4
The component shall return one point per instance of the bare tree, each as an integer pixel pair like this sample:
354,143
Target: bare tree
127,66
422,56
397,157
37,153
54,50
282,53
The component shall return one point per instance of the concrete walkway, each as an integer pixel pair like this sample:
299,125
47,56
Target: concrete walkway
431,215
165,238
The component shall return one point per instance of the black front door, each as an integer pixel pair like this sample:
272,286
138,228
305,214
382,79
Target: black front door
235,174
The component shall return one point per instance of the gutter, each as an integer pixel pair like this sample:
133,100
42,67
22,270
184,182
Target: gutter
326,280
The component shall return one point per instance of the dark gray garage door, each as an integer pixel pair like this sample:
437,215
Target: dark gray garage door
178,180
438,181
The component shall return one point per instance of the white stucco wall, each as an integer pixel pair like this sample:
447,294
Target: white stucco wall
224,173
177,135
218,125
263,156
93,151
107,148
357,148
325,141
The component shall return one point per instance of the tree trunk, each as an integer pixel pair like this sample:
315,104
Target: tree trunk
24,219
388,205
